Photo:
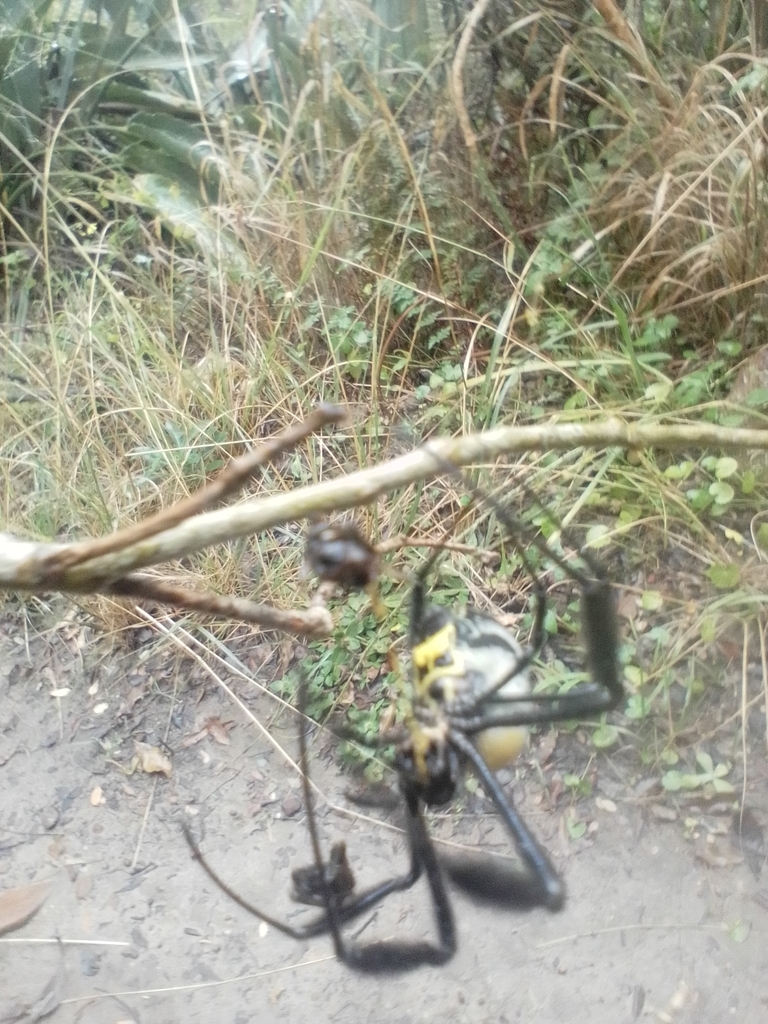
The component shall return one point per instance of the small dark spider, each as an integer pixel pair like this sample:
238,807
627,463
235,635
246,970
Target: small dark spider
472,704
339,553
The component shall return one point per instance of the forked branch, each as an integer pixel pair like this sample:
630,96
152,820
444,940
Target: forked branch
108,565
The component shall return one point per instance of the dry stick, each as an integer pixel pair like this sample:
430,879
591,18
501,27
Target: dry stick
24,565
622,31
457,83
143,827
316,621
170,632
231,479
401,541
701,738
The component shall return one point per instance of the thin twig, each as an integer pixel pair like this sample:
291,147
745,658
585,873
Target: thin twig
627,928
231,479
172,634
151,800
731,718
66,942
316,621
196,986
401,541
744,682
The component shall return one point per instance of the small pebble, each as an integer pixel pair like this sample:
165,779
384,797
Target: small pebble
291,805
50,818
89,964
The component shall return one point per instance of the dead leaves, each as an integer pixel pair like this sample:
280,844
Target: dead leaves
135,693
18,905
146,758
718,855
151,759
213,727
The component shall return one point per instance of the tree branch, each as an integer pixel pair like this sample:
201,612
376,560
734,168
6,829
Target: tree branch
26,566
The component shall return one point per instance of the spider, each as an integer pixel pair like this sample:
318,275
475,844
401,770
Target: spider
472,703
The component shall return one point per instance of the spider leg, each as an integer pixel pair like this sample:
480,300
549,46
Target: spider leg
599,625
543,886
391,956
601,631
380,957
481,696
315,927
345,909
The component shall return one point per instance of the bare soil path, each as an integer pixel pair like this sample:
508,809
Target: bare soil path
649,932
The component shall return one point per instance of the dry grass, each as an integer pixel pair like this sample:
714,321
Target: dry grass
140,352
686,208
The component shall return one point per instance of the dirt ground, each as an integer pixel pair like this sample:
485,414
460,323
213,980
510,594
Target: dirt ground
665,921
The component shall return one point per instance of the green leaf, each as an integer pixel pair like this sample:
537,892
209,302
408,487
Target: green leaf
724,577
705,761
672,781
658,392
634,675
699,498
761,536
722,493
651,600
680,471
675,780
630,514
726,466
605,736
722,786
596,536
185,217
576,829
637,707
748,482
708,631
739,931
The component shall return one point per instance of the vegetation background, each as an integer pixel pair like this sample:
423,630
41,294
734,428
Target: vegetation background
445,216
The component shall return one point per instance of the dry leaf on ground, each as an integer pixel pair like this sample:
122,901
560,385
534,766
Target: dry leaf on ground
134,694
152,759
219,730
195,737
19,904
718,855
213,727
